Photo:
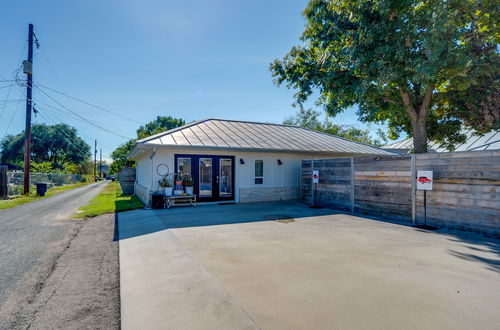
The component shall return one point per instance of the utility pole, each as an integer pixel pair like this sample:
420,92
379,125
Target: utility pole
28,69
100,163
95,158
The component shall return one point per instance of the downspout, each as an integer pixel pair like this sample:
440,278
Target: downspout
152,174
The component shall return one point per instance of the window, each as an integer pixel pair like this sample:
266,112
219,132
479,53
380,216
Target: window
184,165
259,171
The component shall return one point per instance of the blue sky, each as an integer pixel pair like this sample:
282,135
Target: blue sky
189,59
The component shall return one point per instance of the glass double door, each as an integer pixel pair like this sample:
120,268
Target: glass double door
213,176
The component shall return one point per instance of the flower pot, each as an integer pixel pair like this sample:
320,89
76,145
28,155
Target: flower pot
189,190
168,191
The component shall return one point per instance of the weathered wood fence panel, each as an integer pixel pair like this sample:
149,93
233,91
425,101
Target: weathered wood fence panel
382,186
466,190
465,195
306,193
127,180
335,183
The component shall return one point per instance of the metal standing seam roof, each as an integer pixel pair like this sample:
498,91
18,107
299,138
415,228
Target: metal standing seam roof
488,141
235,134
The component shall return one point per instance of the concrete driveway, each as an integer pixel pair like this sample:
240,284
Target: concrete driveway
235,267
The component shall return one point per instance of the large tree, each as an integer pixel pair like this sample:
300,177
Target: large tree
57,144
423,67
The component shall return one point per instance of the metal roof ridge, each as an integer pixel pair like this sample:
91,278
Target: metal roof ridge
173,130
170,131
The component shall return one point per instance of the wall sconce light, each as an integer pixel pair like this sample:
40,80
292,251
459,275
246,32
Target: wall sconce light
242,162
280,162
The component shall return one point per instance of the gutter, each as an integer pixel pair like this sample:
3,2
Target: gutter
288,151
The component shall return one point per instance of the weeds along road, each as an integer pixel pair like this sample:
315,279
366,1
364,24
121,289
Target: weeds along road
32,237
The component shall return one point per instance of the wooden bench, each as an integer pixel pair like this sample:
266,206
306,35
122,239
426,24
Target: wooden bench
180,200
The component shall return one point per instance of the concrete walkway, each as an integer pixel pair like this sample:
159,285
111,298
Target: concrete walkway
227,267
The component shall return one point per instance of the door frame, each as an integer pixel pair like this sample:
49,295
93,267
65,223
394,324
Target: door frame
195,174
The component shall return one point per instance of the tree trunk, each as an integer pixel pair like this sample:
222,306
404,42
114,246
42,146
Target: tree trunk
419,136
418,117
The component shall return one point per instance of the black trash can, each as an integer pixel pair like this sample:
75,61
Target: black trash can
41,188
157,201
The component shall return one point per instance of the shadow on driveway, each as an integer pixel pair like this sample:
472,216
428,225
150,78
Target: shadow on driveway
143,222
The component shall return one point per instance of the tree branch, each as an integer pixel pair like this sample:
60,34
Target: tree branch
389,100
426,102
409,108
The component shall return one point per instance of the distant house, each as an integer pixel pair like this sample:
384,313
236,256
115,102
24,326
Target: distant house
104,169
237,161
488,141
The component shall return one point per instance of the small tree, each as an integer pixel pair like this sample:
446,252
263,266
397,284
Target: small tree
424,67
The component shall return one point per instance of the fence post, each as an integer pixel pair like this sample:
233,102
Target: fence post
352,184
3,182
413,188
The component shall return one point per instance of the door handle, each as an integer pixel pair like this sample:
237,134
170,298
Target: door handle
217,179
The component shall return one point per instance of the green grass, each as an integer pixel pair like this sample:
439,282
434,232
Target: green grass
19,200
110,200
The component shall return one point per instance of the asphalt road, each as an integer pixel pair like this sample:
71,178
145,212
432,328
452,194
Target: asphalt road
32,237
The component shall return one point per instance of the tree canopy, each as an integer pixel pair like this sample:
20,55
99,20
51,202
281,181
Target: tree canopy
309,118
423,67
119,156
56,144
160,124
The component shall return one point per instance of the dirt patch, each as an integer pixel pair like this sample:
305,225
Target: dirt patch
279,218
82,290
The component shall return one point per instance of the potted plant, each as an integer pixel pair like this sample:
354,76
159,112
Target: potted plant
167,185
179,189
188,183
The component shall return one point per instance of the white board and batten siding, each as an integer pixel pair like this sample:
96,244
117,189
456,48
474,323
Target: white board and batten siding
285,177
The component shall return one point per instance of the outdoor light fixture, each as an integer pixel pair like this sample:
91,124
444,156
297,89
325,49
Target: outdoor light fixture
242,162
280,162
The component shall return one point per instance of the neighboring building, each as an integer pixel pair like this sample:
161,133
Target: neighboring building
488,141
103,169
237,160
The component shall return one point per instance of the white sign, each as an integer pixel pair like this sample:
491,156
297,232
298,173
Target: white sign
424,180
315,176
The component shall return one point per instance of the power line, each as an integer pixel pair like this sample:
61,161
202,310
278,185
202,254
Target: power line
77,118
71,140
89,104
49,111
10,86
52,68
82,118
11,118
64,112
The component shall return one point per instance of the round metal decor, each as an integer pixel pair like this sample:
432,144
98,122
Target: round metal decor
162,169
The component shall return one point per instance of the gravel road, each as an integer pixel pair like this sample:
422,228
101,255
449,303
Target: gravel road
50,263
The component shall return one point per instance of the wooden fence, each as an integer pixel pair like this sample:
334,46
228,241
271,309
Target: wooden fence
465,195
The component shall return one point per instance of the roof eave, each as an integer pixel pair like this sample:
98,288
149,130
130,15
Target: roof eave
298,151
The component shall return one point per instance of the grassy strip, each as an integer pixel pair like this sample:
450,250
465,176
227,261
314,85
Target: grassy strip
19,200
110,200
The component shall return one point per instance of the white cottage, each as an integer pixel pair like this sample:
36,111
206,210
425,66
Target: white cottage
237,161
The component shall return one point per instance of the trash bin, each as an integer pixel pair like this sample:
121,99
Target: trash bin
41,188
157,201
